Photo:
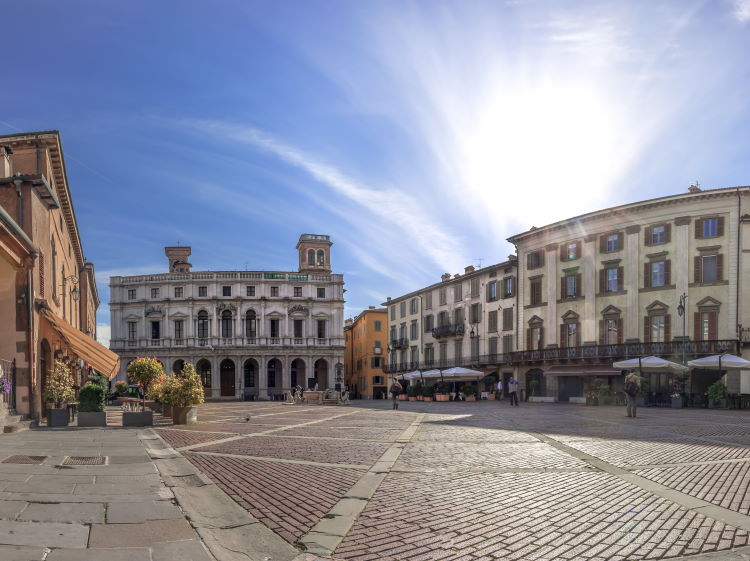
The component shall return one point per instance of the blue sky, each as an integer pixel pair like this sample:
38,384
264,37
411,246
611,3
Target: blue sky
419,135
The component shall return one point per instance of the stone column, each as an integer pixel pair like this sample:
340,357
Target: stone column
263,377
551,335
681,271
589,280
632,268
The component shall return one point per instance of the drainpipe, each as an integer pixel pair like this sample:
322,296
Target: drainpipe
737,296
30,339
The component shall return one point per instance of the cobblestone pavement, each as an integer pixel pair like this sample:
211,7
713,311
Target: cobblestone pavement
482,481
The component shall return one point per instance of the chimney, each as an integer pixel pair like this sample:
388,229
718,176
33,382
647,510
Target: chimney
695,187
370,307
456,275
469,269
178,259
445,277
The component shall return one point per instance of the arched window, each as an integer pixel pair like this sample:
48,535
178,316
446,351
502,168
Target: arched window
321,257
311,257
202,324
251,368
204,370
251,324
178,366
274,369
226,323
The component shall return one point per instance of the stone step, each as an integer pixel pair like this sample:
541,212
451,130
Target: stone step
17,426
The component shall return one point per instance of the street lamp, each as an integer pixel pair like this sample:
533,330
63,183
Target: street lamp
74,292
681,311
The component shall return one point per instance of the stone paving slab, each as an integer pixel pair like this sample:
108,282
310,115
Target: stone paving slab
81,513
14,532
127,513
147,533
22,553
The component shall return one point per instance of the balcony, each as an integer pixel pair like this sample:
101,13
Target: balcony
454,330
401,343
234,342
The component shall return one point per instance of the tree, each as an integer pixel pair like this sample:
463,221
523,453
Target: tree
59,387
144,371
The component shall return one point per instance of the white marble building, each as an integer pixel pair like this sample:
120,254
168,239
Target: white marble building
251,334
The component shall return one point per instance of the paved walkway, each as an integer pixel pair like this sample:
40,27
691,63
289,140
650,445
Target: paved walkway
482,481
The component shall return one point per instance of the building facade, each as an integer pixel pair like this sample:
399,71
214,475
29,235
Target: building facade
366,342
48,295
466,320
250,334
659,277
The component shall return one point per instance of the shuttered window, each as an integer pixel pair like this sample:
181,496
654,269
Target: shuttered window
492,321
507,319
41,275
536,292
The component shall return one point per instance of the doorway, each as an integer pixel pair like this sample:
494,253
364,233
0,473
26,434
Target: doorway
227,375
569,386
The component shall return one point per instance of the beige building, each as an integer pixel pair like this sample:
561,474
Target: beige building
366,342
464,320
250,334
607,286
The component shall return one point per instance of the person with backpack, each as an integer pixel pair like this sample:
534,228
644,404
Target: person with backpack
395,390
631,387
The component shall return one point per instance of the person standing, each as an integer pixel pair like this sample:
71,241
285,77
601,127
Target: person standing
513,390
631,387
499,389
395,390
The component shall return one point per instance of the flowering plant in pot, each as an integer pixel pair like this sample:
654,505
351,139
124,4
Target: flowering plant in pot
470,392
441,391
144,371
427,392
411,391
183,392
59,391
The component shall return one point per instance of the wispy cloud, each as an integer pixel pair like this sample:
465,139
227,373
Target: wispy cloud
103,333
741,11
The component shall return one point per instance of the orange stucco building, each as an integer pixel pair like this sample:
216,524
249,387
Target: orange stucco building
366,340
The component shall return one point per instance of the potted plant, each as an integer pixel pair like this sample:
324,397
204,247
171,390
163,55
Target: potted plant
427,392
91,406
143,371
677,402
470,392
121,388
441,391
717,394
59,391
411,391
184,392
640,399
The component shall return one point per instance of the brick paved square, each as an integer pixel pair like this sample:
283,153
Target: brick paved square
180,438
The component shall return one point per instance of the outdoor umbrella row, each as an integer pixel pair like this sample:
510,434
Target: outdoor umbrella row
656,364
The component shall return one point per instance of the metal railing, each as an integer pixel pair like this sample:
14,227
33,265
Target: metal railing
8,383
452,330
401,343
167,342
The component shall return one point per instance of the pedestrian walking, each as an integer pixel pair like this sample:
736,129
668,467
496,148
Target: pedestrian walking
499,389
396,390
513,390
631,387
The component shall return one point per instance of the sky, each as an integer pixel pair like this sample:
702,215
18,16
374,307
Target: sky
419,135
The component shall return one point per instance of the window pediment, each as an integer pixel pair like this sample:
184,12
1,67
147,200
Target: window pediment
535,321
178,315
132,317
656,306
611,311
708,301
570,315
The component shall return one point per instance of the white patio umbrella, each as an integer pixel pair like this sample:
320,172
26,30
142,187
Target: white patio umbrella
720,362
412,375
461,371
436,373
650,364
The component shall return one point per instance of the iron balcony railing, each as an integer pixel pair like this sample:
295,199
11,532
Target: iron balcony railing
401,343
456,329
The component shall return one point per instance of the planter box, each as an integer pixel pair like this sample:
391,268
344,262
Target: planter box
577,400
412,398
402,397
184,415
420,398
471,398
491,397
166,411
138,418
677,403
58,417
541,399
92,419
427,398
441,397
640,402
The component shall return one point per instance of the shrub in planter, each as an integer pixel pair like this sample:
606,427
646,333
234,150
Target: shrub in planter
427,392
91,404
59,391
717,392
470,392
144,371
121,388
183,392
441,391
411,392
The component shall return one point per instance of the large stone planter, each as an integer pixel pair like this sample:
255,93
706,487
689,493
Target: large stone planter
92,419
441,397
412,398
166,411
184,415
471,398
138,418
427,398
58,417
491,396
402,397
677,403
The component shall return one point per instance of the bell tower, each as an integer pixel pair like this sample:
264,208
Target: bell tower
314,253
178,259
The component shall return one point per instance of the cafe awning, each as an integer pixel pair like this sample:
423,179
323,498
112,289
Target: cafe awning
87,349
583,370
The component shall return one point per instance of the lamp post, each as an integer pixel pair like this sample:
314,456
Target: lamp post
681,311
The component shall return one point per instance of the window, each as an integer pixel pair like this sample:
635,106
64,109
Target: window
657,235
178,291
458,292
458,351
569,334
226,290
507,319
657,329
393,312
298,323
251,324
474,287
202,324
376,362
226,323
474,347
657,273
612,280
458,316
710,227
131,294
571,251
413,330
492,321
491,291
429,323
509,287
414,306
311,257
297,291
429,354
402,331
321,323
428,301
202,291
493,346
570,288
156,330
250,291
535,295
534,260
414,355
154,293
610,328
710,269
274,291
443,319
536,337
507,344
402,308
378,325
393,333
132,326
443,351
443,296
706,323
275,324
474,313
321,292
321,257
612,243
179,329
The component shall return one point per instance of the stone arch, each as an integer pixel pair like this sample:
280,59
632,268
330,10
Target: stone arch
274,372
227,377
45,364
321,257
203,367
178,365
321,373
298,371
311,257
250,372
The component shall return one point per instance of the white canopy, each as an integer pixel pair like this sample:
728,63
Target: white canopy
458,373
650,364
720,362
412,375
431,373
